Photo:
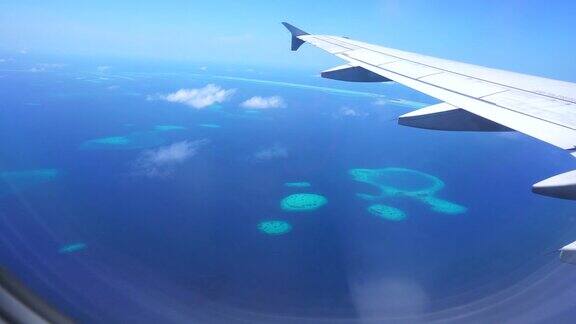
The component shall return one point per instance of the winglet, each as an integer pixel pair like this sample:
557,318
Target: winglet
296,42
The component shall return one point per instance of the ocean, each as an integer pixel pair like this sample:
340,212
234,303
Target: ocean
124,199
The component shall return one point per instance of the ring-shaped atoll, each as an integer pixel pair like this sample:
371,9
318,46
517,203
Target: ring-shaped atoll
403,182
303,202
399,181
274,227
387,212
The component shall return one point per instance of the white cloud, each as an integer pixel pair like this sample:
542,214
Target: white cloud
36,69
381,102
43,67
277,151
103,68
162,162
351,113
263,102
201,97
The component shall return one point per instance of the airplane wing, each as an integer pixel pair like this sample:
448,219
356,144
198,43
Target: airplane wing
474,98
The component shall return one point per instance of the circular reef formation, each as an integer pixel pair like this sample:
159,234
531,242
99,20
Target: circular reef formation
387,212
399,181
274,227
303,202
402,182
444,206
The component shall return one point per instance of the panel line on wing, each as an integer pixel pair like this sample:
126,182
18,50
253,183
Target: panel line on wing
495,93
430,75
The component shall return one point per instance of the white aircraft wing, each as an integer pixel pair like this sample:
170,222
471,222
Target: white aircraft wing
474,98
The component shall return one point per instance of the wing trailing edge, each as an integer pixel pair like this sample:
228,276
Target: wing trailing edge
352,73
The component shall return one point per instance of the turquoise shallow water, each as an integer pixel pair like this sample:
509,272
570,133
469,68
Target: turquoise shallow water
16,181
167,128
72,248
131,141
302,184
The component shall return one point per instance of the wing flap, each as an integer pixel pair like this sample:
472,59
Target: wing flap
444,116
352,73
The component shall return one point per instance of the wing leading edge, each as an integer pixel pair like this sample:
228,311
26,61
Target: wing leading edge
474,98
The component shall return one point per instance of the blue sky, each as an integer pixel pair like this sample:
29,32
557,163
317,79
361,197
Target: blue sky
527,36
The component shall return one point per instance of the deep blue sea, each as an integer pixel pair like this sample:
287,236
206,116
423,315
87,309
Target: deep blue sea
120,203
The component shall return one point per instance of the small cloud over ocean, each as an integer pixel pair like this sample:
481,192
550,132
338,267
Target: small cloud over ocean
352,112
103,68
274,152
163,161
45,67
264,102
200,97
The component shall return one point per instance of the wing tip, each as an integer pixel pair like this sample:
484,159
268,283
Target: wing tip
295,31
